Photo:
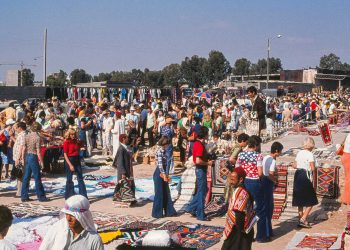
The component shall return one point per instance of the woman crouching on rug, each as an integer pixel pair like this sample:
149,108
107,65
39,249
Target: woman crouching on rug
162,204
240,213
71,152
125,189
304,194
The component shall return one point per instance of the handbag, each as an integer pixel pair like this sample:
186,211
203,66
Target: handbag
340,150
17,172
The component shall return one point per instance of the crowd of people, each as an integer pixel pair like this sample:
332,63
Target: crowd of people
122,129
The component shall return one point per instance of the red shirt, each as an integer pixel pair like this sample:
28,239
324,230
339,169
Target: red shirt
71,147
199,151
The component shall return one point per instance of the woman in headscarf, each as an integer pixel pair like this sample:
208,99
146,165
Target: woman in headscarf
75,229
162,204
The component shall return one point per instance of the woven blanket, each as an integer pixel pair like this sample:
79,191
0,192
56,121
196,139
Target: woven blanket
327,181
188,183
280,191
325,133
203,237
220,172
196,236
216,207
314,241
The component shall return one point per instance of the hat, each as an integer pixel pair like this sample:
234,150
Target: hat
78,206
10,122
132,108
105,112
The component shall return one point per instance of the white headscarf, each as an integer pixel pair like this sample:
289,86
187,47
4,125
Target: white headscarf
57,237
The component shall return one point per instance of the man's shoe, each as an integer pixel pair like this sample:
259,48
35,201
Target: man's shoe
44,199
26,200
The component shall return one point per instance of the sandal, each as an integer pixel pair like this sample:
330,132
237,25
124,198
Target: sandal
304,224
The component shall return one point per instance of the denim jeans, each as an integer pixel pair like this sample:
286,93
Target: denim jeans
255,189
169,159
268,186
32,166
162,197
198,202
75,160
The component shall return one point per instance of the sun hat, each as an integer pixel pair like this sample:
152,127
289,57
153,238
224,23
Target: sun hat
10,122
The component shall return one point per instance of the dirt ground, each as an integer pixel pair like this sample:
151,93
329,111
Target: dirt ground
283,232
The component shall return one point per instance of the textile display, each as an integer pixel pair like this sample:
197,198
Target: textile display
209,185
98,186
124,229
220,172
314,241
327,182
203,237
124,191
108,237
252,127
216,207
325,134
280,191
188,183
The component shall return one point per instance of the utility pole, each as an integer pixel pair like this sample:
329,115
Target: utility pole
45,55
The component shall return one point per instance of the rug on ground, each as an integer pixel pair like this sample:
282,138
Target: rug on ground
314,241
97,186
32,222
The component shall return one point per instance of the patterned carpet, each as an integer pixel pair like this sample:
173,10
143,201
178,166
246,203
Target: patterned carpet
327,181
280,192
314,241
126,229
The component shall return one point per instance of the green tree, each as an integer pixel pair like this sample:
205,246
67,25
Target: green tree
101,77
330,61
217,67
79,76
275,65
57,80
260,67
172,74
242,66
27,77
194,70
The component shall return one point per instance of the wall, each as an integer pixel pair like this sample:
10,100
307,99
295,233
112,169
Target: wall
21,93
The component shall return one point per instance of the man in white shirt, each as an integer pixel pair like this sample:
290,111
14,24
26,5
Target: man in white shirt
268,183
75,230
5,223
107,126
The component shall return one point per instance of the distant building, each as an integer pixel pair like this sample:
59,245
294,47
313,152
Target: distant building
12,78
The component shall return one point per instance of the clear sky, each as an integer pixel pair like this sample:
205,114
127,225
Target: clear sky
101,35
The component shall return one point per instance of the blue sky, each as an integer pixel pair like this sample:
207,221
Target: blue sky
101,36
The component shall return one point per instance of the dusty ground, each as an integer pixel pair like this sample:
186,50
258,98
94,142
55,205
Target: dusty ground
283,231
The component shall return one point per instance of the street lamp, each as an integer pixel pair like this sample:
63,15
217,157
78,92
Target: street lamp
268,59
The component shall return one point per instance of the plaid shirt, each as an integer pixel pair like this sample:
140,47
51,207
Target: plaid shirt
161,160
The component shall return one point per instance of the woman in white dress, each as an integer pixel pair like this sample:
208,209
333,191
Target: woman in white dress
118,129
